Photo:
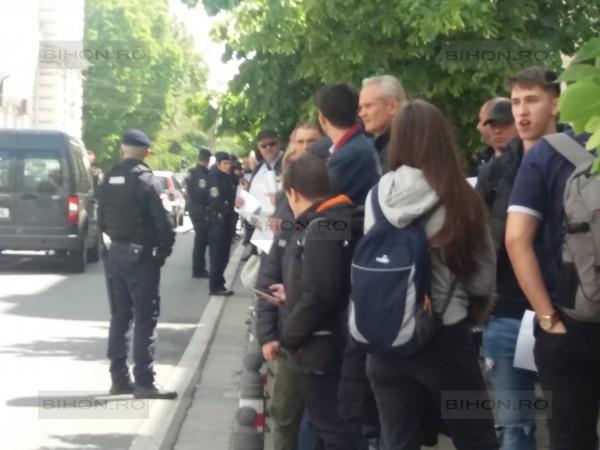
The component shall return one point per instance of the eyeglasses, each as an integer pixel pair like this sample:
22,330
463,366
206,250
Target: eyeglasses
269,144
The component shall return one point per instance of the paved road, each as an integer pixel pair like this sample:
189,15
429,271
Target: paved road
53,329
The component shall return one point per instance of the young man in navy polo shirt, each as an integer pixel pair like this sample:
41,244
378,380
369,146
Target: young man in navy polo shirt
567,351
534,94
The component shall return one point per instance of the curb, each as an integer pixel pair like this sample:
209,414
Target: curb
161,429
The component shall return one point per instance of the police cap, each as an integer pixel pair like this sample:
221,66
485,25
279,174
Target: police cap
136,138
204,154
222,156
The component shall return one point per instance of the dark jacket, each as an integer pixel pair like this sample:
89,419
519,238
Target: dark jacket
316,276
480,159
382,144
353,168
494,184
130,208
221,198
197,190
269,318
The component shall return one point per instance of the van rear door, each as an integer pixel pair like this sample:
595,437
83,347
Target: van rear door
7,194
42,190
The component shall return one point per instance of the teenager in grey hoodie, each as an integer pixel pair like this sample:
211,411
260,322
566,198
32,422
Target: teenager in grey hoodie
417,394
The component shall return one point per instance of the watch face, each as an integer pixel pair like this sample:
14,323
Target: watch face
545,323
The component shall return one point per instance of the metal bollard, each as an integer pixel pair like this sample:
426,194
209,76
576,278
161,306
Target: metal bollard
252,392
244,435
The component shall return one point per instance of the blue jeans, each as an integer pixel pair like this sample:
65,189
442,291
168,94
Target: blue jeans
513,388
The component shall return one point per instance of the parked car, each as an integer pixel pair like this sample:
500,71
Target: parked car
47,199
172,197
182,179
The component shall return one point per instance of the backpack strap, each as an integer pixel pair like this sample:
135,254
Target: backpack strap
377,211
308,227
569,149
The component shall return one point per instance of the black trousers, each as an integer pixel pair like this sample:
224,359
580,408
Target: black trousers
321,398
200,245
134,297
417,396
219,246
569,372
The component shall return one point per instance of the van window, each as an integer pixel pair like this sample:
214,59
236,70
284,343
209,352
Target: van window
79,157
42,171
4,171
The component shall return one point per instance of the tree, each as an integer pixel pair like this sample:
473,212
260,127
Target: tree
290,47
143,67
580,102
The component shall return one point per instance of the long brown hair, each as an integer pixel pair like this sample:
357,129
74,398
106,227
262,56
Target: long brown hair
422,138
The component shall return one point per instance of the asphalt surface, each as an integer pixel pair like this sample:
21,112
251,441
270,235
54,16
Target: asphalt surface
53,369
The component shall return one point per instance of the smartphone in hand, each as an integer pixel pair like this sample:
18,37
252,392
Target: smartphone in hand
268,297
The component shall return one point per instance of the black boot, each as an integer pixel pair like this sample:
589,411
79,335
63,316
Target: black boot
121,386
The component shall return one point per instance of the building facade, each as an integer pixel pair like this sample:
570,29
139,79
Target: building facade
41,77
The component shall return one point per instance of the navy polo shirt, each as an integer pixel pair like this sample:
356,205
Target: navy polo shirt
539,191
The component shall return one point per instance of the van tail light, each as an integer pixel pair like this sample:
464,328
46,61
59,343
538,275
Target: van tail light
171,189
73,217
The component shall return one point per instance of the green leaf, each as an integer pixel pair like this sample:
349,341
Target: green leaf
578,72
580,101
594,141
589,50
593,124
596,166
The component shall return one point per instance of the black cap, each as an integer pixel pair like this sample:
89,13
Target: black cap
204,154
501,111
222,156
136,138
266,134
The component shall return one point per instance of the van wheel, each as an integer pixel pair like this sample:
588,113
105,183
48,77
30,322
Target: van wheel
93,253
76,259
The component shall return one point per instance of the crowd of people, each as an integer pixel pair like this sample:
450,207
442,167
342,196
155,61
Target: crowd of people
369,353
495,252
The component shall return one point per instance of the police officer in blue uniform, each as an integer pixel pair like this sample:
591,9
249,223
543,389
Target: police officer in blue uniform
197,186
142,237
220,216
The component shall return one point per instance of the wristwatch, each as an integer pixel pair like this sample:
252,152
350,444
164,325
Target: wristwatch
547,322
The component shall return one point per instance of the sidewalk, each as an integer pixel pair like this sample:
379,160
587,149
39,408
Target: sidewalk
209,421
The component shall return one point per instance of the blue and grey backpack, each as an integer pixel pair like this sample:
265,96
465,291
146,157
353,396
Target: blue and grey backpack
390,305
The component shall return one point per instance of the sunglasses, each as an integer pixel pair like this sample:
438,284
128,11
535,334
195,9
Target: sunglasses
269,144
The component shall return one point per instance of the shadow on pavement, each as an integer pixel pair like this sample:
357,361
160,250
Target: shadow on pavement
93,442
170,346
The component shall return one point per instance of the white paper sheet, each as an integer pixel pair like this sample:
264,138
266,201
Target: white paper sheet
263,236
525,342
250,206
263,188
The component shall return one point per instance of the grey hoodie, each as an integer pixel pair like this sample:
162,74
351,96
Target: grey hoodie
405,195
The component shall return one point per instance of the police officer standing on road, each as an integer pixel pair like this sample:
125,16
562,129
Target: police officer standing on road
220,215
197,184
142,237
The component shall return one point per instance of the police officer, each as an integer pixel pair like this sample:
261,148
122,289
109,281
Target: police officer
197,185
220,215
142,237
